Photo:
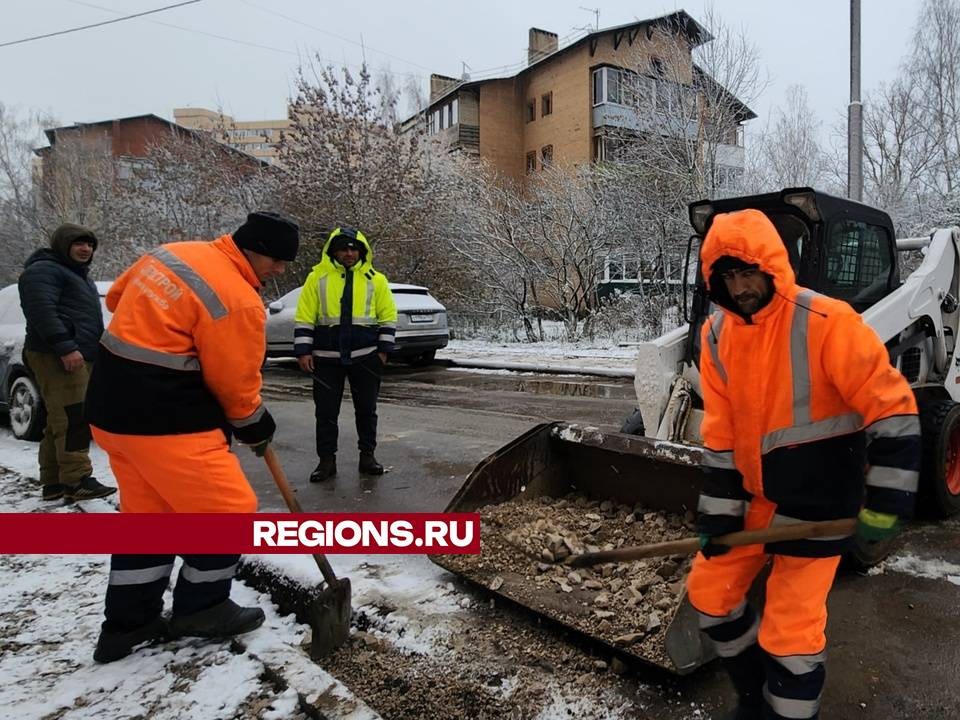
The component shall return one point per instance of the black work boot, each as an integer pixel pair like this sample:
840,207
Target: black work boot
53,491
325,469
748,676
222,620
369,464
113,645
742,712
87,489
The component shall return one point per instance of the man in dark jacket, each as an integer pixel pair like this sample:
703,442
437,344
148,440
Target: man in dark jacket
64,325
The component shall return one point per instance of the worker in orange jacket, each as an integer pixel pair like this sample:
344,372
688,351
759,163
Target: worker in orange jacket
799,396
179,372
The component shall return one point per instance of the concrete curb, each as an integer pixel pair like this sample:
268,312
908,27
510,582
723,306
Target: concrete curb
538,368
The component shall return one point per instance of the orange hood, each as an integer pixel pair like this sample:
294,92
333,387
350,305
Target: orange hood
750,236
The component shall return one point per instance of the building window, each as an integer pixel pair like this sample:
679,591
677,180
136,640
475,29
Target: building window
598,86
621,266
531,162
531,110
546,156
454,112
546,104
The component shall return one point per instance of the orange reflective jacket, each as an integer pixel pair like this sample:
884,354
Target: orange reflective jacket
185,345
788,393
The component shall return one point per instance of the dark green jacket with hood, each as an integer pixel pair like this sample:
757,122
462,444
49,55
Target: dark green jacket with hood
59,300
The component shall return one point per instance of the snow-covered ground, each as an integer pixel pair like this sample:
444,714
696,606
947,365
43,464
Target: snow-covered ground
51,609
555,357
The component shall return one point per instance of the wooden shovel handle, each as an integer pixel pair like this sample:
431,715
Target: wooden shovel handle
687,546
280,478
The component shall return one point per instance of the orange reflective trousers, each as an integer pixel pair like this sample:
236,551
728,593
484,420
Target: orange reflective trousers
795,611
187,473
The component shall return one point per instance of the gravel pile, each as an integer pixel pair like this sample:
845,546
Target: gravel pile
629,605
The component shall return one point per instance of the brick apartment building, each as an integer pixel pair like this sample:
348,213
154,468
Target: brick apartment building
256,137
570,105
559,107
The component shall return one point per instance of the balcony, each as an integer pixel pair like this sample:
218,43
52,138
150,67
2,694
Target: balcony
614,115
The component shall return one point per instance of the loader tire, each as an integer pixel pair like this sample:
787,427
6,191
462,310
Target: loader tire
940,472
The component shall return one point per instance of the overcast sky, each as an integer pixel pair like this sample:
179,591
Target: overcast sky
144,65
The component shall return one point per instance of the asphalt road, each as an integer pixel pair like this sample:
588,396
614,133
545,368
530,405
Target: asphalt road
894,637
435,425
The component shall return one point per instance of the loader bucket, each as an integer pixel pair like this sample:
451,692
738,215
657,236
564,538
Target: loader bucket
556,459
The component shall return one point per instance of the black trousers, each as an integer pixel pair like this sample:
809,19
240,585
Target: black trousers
364,376
137,583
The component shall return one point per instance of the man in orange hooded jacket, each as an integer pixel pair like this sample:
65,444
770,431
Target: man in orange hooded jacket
799,396
179,371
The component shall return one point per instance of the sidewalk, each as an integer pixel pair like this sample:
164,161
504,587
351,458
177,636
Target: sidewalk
545,357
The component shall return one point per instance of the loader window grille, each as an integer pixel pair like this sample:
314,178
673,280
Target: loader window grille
858,262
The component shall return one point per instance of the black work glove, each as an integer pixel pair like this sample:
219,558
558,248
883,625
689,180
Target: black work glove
257,435
711,549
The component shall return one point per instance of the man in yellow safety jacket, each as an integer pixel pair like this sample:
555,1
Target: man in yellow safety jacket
346,321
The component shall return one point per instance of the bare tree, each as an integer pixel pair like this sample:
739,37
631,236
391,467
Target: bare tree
20,230
935,64
347,163
187,186
790,151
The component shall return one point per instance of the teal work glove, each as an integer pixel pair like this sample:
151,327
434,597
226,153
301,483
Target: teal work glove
261,447
874,527
711,549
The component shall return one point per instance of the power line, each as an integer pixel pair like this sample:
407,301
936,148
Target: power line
99,24
193,30
334,35
231,39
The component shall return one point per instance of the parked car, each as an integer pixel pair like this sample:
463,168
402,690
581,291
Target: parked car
19,396
421,324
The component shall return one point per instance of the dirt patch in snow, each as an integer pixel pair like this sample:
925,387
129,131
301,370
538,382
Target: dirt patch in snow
500,664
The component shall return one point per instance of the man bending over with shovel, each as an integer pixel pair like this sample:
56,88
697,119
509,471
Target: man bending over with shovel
179,369
799,396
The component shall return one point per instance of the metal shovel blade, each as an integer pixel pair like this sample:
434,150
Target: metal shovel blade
329,617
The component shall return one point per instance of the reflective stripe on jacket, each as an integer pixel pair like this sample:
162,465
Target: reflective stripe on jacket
319,327
798,399
185,344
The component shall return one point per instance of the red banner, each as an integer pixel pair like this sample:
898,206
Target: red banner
223,533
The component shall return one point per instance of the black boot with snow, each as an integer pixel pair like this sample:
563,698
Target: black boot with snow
115,644
325,469
369,464
222,620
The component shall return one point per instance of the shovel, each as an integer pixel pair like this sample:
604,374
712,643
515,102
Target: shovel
688,546
328,614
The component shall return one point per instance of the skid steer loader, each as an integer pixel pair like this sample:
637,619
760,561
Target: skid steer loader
837,247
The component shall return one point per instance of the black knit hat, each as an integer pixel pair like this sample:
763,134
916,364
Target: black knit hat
726,263
344,237
270,234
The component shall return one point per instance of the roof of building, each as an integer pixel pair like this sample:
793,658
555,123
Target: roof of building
697,34
51,133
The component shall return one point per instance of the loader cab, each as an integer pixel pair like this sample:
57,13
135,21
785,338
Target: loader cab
837,247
